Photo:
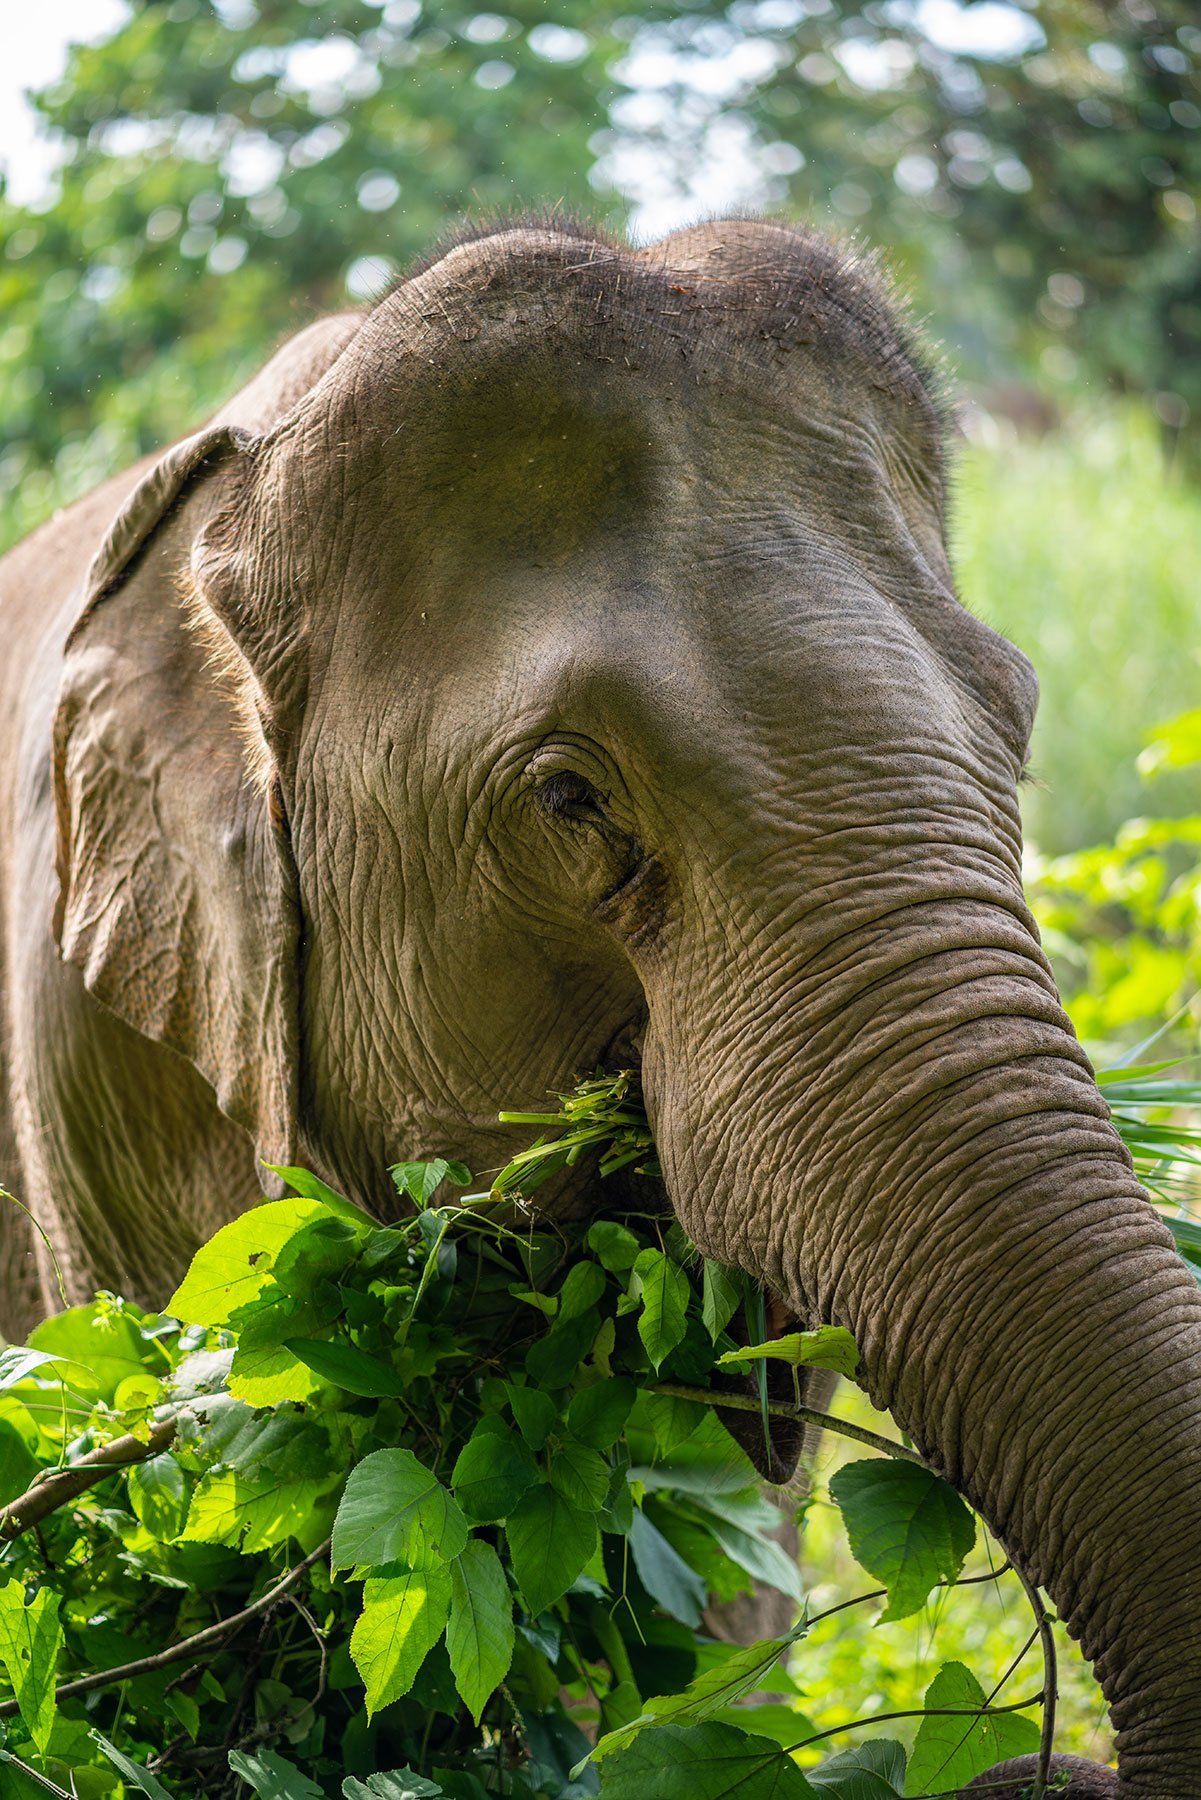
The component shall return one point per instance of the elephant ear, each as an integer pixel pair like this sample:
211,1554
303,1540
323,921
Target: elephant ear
177,896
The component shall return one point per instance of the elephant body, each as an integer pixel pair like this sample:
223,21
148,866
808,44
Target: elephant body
559,665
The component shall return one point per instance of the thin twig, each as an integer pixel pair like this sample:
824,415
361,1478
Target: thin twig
1046,1636
212,1634
806,1415
42,1781
61,1486
879,1593
919,1712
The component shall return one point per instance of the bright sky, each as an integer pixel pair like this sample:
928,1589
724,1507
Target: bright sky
34,39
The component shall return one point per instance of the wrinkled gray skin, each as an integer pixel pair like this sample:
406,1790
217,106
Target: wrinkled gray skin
574,675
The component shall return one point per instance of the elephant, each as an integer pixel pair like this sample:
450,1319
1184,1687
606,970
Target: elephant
557,665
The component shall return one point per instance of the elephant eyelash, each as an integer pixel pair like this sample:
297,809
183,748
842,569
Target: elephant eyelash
569,796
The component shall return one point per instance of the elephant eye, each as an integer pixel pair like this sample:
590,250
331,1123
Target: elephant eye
565,795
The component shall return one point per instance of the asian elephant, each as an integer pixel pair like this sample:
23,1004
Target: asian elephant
556,665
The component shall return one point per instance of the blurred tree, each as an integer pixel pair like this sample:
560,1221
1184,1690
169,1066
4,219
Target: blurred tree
231,166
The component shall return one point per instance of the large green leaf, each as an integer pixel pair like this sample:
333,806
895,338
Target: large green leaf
721,1296
252,1511
101,1343
581,1475
395,1510
597,1415
950,1751
828,1347
711,1761
272,1776
665,1295
234,1267
705,1696
550,1542
158,1495
664,1574
311,1187
141,1779
419,1181
348,1367
402,1619
495,1468
871,1771
397,1784
479,1636
907,1527
30,1640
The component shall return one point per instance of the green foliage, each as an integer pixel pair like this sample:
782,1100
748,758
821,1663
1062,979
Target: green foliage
473,1535
907,1528
953,1747
1123,921
1081,546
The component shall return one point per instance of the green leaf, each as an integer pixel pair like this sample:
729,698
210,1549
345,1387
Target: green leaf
748,1543
311,1187
581,1475
263,1372
948,1752
403,1617
158,1495
479,1636
907,1527
234,1267
535,1412
582,1288
18,1362
421,1180
736,1676
398,1784
320,1252
665,1296
252,1511
495,1468
102,1343
597,1415
395,1510
272,1776
30,1640
348,1367
550,1542
664,1574
703,1762
829,1347
721,1297
613,1246
871,1771
142,1779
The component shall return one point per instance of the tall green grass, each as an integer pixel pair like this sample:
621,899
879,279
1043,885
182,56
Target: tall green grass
1084,547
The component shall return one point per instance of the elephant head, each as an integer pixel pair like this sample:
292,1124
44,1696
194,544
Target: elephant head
586,646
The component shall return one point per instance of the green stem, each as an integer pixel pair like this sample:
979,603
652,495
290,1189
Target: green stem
807,1415
919,1712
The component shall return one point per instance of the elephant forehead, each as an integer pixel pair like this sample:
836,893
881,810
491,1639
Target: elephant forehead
531,381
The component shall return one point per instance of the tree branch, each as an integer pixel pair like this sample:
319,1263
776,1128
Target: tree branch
807,1415
200,1640
60,1486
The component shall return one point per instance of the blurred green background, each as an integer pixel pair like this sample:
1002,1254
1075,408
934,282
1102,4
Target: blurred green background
224,169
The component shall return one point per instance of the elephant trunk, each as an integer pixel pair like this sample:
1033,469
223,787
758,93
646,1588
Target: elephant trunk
946,1183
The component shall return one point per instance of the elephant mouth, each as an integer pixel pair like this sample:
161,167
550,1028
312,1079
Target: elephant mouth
773,1444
